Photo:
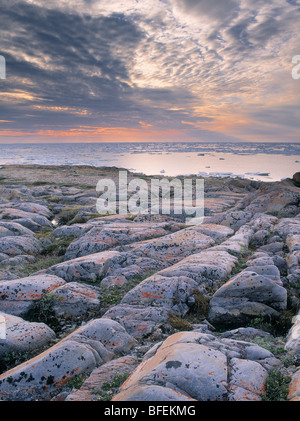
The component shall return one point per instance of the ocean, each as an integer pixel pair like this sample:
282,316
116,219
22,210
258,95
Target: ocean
257,161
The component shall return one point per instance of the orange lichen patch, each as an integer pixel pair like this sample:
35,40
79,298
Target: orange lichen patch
152,295
294,389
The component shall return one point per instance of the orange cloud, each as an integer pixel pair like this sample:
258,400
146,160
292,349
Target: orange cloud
94,134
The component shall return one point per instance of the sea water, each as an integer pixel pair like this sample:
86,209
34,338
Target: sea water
257,161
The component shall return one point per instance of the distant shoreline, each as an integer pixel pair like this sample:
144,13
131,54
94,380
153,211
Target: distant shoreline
87,175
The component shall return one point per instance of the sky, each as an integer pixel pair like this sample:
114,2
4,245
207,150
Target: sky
149,70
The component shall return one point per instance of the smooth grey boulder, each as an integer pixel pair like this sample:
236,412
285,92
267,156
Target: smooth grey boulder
246,296
75,300
14,246
173,293
22,336
13,228
18,297
89,268
39,378
139,321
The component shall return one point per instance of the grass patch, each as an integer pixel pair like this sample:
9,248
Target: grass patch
179,324
41,263
59,246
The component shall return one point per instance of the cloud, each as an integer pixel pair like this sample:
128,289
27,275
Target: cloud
133,64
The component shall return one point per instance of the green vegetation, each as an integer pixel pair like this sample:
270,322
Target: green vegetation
43,307
178,323
12,359
277,386
76,382
58,246
109,389
41,263
117,381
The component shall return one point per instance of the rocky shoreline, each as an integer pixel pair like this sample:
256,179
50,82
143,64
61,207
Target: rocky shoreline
144,308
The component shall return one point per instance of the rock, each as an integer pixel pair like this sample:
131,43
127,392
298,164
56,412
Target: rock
75,300
272,248
203,368
152,393
260,259
294,388
259,238
247,380
269,271
132,264
246,296
296,179
34,208
288,226
238,243
175,246
13,228
293,338
22,336
272,198
262,222
139,321
29,224
18,297
245,334
18,260
173,293
89,268
293,242
216,232
206,267
236,219
110,235
74,230
92,389
92,345
17,215
14,246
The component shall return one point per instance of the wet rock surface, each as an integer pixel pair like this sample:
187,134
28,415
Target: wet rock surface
146,308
